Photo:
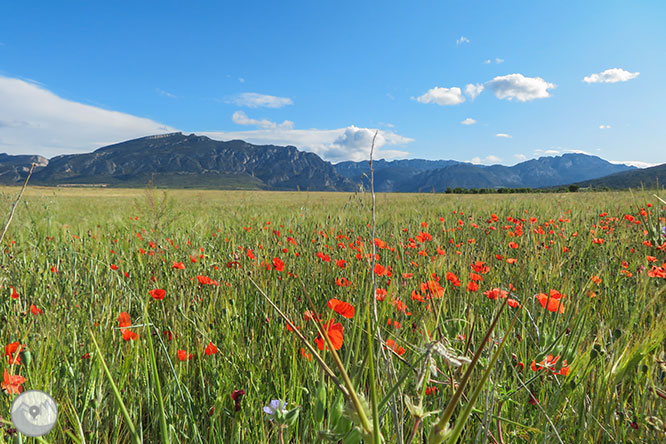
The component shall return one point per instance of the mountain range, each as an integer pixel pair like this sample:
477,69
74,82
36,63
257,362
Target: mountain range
177,160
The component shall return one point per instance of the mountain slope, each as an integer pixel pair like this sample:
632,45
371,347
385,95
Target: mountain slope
647,177
389,175
15,168
177,160
536,173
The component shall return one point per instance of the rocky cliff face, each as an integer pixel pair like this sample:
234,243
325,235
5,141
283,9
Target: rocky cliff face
191,161
177,159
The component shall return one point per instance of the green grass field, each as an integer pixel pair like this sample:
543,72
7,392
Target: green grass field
585,363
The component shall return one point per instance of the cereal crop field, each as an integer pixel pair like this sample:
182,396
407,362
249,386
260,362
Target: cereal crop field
264,317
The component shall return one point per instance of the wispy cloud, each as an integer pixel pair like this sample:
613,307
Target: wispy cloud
503,135
612,75
40,122
255,100
636,163
519,87
442,96
604,126
165,93
488,160
468,121
350,143
240,118
520,157
473,91
498,60
462,40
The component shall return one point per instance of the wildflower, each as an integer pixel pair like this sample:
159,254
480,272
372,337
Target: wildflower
236,395
549,364
335,335
35,311
158,294
205,280
184,356
496,293
210,349
14,294
14,350
390,343
114,267
278,264
12,383
276,407
123,322
342,282
553,302
342,308
178,266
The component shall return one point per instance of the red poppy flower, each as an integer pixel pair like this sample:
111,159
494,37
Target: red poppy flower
205,280
12,383
125,321
340,263
210,349
278,264
553,302
184,356
472,286
14,294
178,266
496,293
158,294
13,351
342,282
394,346
334,332
34,310
342,308
114,267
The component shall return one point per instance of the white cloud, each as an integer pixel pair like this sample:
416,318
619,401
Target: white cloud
462,40
241,79
498,60
503,135
488,62
636,163
165,93
240,118
468,121
488,160
520,157
254,100
604,126
442,96
473,91
350,143
33,120
550,152
519,87
612,75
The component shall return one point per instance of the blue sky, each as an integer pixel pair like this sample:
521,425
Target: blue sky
324,75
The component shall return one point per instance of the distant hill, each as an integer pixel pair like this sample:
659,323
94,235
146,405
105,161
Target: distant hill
191,161
15,168
391,175
536,173
182,161
647,177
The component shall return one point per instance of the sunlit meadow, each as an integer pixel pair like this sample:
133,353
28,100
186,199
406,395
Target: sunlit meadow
197,316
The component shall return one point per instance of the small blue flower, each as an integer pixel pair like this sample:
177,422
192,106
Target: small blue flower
275,407
663,231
